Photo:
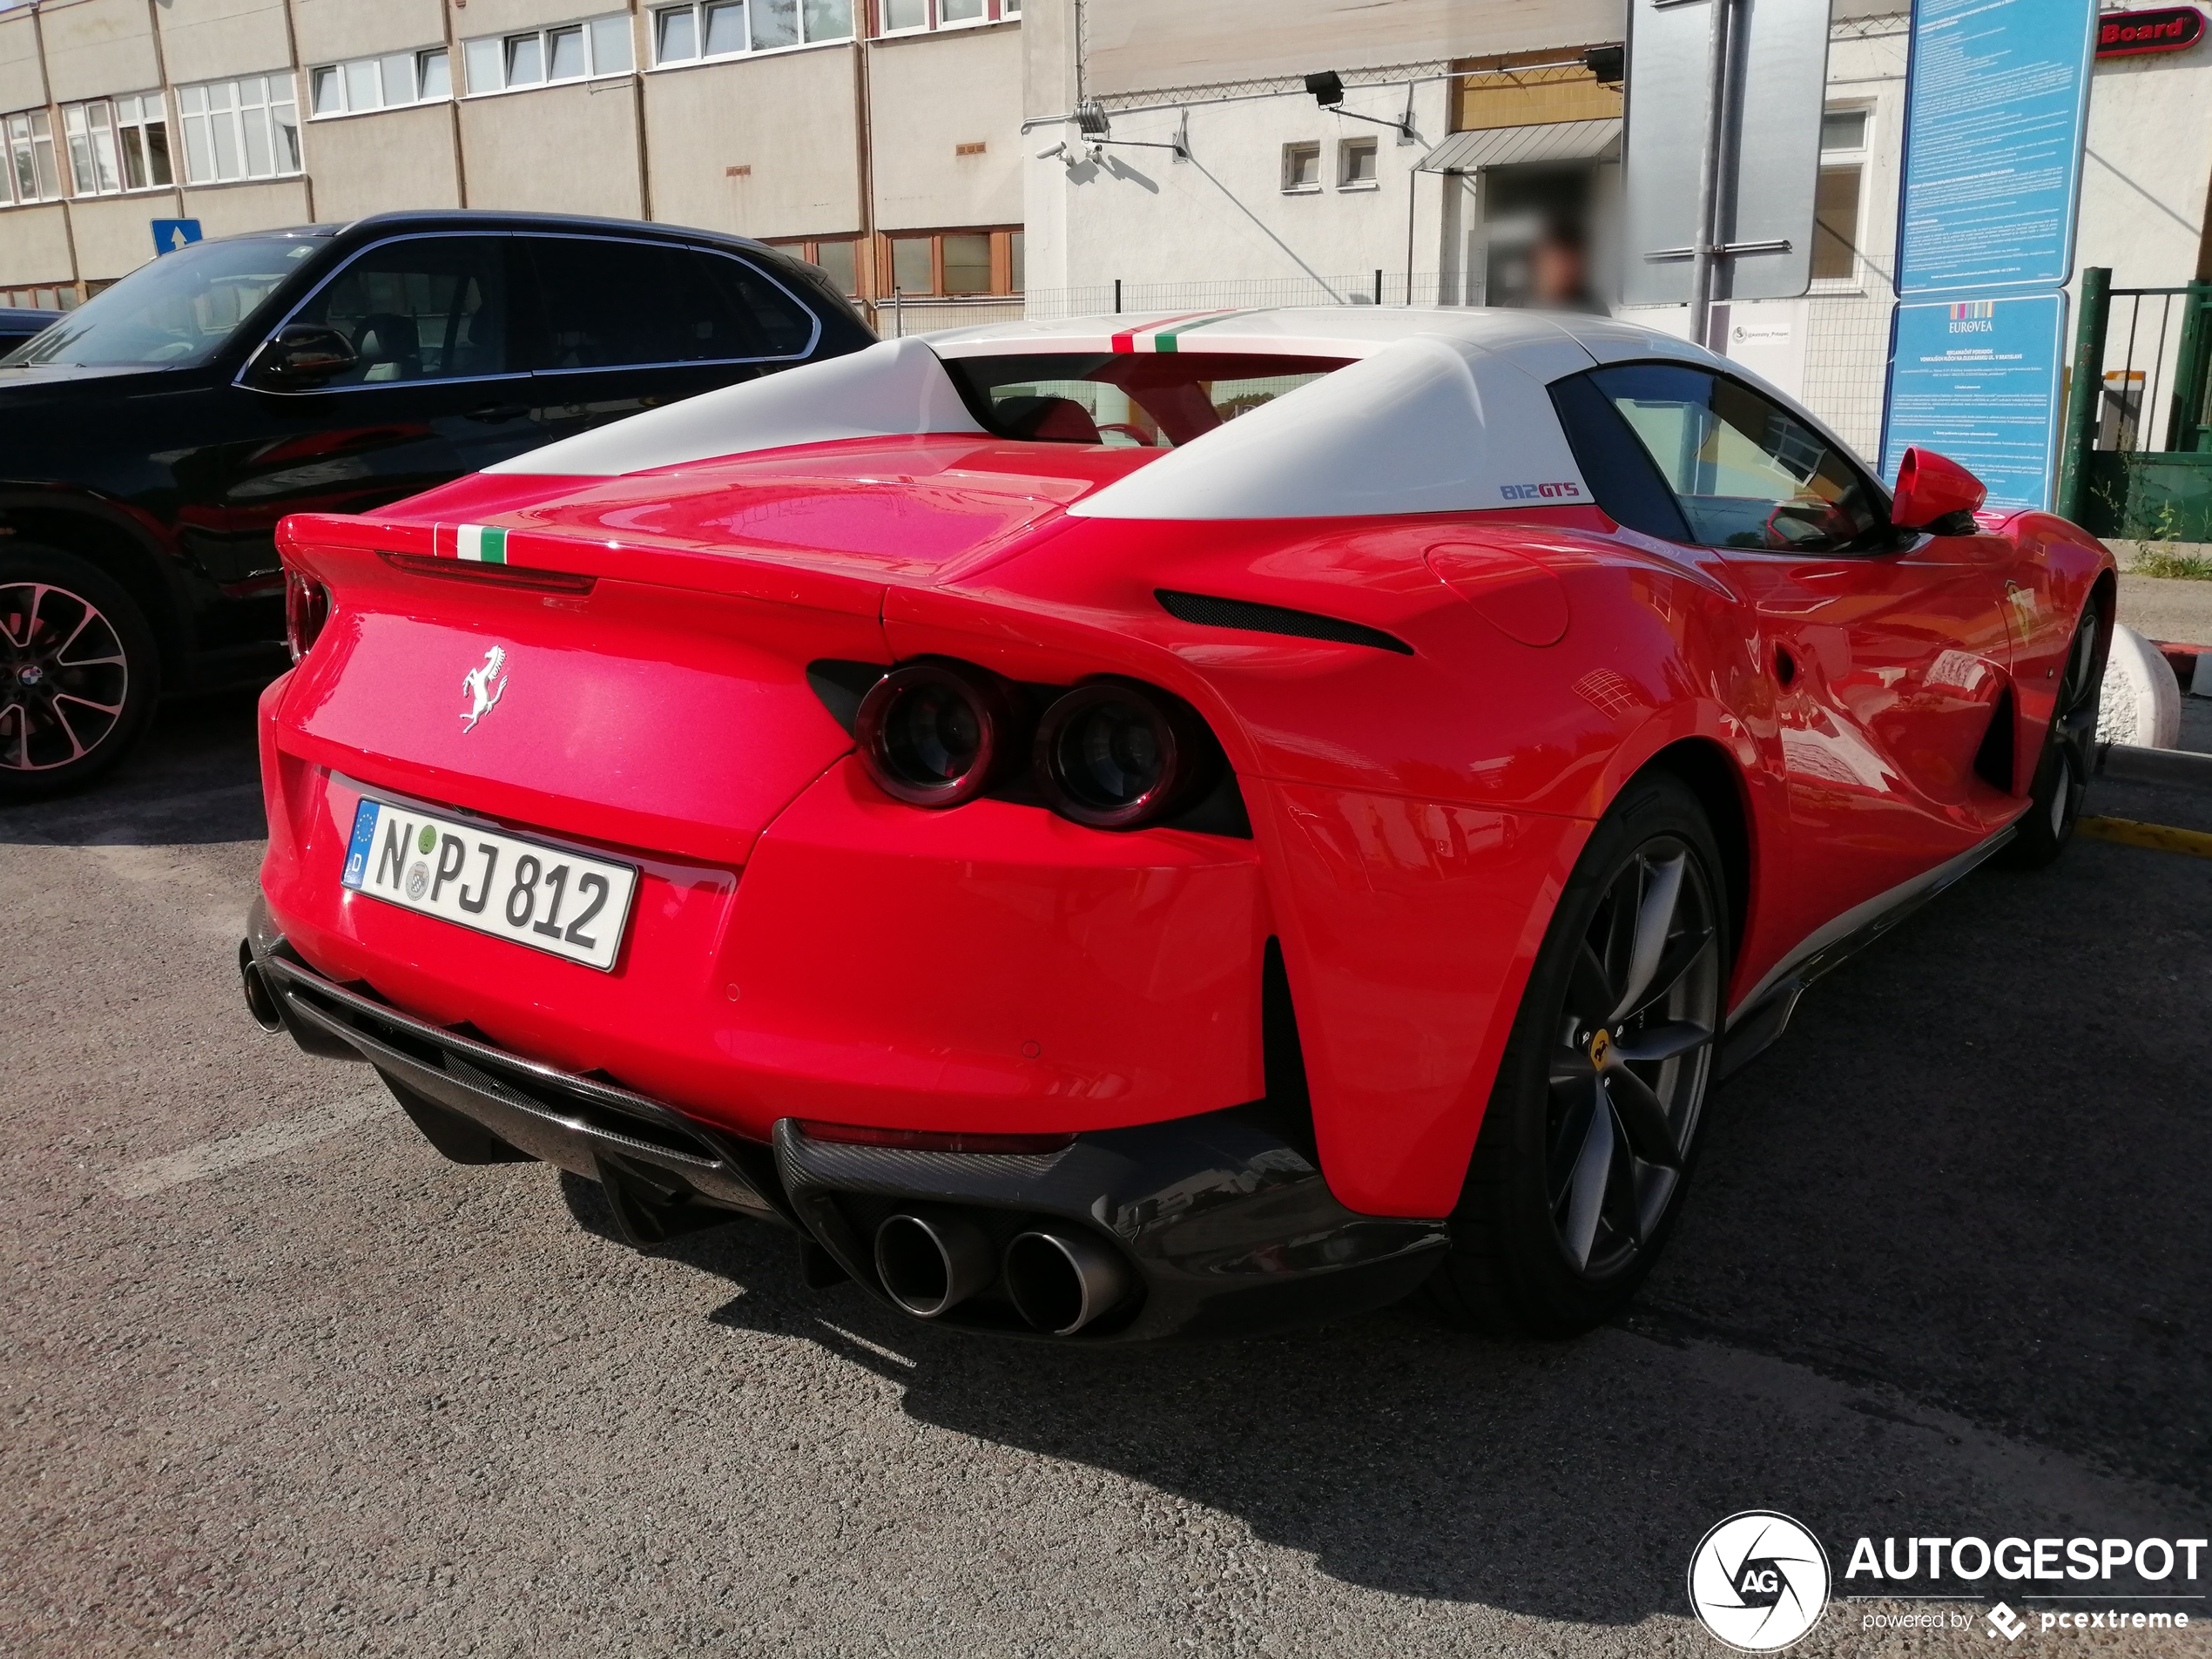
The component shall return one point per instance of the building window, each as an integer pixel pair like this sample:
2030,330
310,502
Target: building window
913,16
244,129
938,263
392,82
142,127
32,174
1356,164
1838,199
1301,168
840,261
590,51
715,29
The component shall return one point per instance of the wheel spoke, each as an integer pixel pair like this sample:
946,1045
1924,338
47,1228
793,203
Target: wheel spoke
1680,957
1621,1191
1643,1118
1657,1042
1586,1191
1567,1143
1655,917
1590,991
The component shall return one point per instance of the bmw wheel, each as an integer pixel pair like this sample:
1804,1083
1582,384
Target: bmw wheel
1579,1170
2069,756
77,673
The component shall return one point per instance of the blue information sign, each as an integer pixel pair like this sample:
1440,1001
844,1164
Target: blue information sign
1996,96
170,234
1979,380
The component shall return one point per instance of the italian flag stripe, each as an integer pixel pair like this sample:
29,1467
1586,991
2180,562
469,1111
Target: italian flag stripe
478,545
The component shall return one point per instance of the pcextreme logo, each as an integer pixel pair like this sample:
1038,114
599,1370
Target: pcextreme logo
1758,1581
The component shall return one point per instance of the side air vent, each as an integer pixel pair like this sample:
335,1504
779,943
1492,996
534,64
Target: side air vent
1212,612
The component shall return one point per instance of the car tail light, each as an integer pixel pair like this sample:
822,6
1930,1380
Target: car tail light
923,1140
306,607
935,734
1115,755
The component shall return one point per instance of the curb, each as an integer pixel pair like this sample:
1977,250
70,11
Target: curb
2127,760
2186,661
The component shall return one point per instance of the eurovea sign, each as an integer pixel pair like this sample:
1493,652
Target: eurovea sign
2168,29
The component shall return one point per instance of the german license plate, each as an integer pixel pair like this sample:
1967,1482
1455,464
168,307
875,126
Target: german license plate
545,897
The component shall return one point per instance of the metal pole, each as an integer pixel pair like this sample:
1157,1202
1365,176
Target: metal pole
1117,296
2083,392
1716,101
2191,360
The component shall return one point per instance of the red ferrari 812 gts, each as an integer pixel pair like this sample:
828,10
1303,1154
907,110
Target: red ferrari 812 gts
1124,828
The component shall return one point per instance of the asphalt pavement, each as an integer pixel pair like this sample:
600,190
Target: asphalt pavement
277,1380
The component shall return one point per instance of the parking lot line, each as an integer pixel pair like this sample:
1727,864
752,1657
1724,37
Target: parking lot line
2159,838
225,1152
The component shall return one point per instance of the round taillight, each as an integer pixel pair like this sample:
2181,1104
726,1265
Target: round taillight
306,607
1114,755
933,734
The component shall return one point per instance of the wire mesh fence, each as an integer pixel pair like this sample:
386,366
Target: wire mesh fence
1847,356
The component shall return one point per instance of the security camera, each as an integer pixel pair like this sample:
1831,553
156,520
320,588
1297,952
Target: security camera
1060,149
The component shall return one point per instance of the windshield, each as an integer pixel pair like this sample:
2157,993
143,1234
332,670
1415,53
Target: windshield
174,311
1152,400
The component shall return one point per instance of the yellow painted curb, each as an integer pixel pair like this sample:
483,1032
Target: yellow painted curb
2159,838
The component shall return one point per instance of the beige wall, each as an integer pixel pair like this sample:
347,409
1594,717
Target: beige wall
213,40
115,233
228,209
920,184
559,150
1139,45
376,164
789,118
22,84
97,47
34,246
331,30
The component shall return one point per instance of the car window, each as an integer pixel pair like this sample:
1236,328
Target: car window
174,311
612,304
1619,469
1122,399
1745,471
422,308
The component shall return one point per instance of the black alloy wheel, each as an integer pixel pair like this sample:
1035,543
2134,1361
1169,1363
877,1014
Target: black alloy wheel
2069,756
1592,1126
77,673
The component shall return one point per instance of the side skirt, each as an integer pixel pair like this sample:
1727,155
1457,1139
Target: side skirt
1764,1014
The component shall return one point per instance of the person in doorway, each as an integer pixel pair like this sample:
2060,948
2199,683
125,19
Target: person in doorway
1559,268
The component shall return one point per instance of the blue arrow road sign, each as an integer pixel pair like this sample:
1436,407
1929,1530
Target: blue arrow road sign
170,234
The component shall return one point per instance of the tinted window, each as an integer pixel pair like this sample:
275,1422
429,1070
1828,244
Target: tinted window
425,308
612,303
1745,471
1614,462
1152,400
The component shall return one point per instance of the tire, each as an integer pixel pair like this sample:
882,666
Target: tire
78,672
1591,1132
2062,770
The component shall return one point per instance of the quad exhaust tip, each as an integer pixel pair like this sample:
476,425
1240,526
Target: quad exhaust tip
930,1264
1061,1282
260,1000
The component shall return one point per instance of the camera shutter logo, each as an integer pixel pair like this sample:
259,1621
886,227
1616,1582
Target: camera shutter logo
1758,1581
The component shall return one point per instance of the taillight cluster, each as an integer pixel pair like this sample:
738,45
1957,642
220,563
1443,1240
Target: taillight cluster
1111,753
306,607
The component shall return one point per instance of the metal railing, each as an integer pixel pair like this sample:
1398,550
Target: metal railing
2151,391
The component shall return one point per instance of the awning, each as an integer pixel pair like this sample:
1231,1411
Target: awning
1510,146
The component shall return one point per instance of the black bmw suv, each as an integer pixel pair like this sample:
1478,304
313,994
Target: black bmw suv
150,439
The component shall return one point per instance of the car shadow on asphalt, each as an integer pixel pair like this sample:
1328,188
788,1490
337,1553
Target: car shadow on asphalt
193,780
1966,1185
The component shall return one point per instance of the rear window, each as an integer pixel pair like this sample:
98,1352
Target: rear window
1148,399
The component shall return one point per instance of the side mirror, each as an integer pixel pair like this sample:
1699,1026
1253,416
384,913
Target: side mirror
1934,493
302,355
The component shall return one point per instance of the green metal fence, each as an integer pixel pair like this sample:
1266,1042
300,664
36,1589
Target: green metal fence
2136,456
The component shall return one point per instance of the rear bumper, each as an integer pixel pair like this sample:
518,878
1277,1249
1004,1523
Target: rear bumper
1226,1227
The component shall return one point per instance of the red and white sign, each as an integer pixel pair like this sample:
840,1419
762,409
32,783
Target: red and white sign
2168,29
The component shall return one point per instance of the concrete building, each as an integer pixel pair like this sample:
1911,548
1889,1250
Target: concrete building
879,136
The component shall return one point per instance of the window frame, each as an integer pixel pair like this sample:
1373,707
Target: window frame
422,56
934,21
142,123
37,135
698,10
502,45
1301,149
534,299
1859,160
883,271
237,115
1346,150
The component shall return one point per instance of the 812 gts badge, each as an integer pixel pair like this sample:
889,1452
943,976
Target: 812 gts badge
1758,1581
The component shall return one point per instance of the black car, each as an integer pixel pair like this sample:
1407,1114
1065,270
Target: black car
20,322
150,439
